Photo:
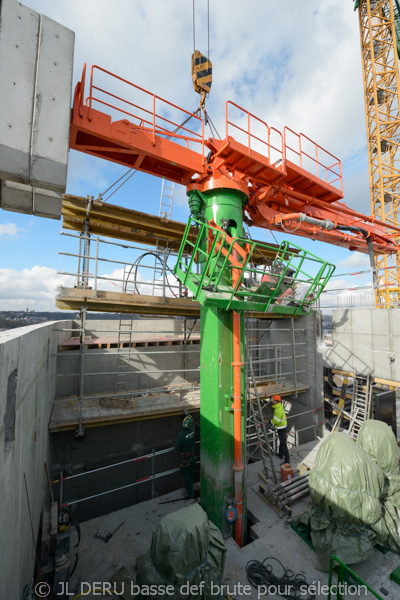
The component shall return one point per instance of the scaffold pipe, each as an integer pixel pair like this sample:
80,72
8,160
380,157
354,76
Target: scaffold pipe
289,482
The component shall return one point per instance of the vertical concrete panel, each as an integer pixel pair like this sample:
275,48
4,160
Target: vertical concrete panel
50,129
19,33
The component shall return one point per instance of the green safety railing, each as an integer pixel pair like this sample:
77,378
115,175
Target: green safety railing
219,274
343,573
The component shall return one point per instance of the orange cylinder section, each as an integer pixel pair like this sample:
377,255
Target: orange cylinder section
237,427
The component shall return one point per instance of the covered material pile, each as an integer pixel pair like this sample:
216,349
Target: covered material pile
355,491
187,552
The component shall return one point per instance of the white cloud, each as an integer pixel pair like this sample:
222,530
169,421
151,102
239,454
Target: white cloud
347,292
35,288
356,261
9,230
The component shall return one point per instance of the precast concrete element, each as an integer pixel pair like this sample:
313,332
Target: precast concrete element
18,197
27,387
36,59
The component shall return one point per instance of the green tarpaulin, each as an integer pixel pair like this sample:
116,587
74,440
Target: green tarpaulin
355,491
188,553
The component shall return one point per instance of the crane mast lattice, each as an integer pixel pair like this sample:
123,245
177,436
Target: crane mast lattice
378,20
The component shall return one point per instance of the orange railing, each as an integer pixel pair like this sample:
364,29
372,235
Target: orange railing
148,119
324,165
251,137
329,174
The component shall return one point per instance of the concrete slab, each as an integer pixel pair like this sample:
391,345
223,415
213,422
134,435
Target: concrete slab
99,561
65,413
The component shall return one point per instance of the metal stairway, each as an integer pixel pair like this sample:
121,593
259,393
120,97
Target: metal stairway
258,421
360,404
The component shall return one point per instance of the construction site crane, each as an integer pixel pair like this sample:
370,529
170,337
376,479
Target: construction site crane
379,21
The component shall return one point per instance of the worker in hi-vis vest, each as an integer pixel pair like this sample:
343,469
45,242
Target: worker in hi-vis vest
280,423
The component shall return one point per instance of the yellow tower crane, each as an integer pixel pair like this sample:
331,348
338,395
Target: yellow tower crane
378,20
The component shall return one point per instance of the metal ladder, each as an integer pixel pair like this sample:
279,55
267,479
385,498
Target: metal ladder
123,356
256,414
167,199
165,211
360,404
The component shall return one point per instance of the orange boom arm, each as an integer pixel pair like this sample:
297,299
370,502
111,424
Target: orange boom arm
293,184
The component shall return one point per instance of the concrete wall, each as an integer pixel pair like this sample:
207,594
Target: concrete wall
27,389
112,444
143,328
158,366
366,341
110,370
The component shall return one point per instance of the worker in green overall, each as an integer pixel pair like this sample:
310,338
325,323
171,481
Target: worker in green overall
185,444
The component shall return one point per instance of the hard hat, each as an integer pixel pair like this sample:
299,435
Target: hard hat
187,422
277,398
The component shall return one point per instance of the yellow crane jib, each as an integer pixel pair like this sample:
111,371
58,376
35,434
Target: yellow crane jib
201,75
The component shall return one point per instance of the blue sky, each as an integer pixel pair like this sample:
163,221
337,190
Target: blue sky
290,63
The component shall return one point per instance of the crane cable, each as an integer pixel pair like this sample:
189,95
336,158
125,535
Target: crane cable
208,28
131,172
207,118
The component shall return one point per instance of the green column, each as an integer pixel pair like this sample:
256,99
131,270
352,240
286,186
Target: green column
225,207
216,416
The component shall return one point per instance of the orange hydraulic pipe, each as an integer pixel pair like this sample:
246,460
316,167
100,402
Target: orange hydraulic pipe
237,427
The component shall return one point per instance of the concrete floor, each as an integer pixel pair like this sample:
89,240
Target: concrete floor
98,561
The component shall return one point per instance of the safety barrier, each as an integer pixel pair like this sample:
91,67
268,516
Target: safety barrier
148,119
343,571
221,273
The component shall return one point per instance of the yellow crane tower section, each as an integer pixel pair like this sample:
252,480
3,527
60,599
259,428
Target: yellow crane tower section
378,20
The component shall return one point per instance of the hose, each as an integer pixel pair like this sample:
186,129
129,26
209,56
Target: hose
136,264
370,247
260,575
